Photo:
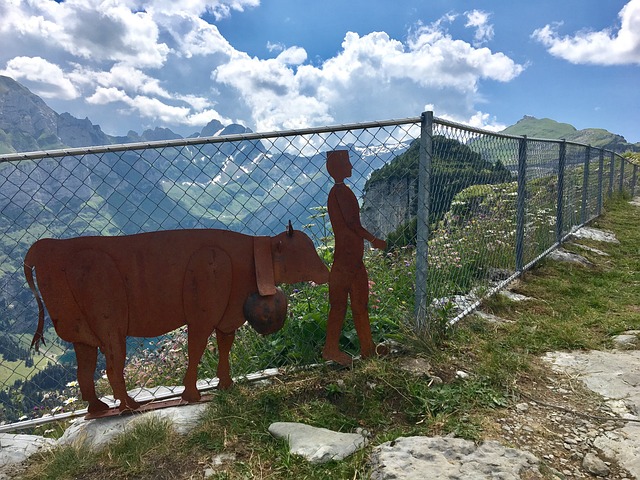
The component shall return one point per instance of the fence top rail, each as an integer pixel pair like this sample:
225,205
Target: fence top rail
182,142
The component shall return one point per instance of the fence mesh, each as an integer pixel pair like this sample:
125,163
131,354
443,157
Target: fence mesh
496,203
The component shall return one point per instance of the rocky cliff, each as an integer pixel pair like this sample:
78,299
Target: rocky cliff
26,122
388,204
390,195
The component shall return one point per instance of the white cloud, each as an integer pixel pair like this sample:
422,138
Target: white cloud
91,30
191,34
198,103
270,88
292,56
444,61
218,8
120,53
22,19
120,76
103,96
275,47
154,109
160,61
480,21
205,116
477,119
374,76
486,121
619,46
194,112
49,79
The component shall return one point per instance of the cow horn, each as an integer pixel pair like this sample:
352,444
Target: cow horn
290,229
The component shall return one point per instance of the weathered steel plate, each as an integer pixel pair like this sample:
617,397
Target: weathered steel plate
146,407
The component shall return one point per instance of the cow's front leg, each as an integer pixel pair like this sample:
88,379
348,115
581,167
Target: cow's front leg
225,341
87,357
115,354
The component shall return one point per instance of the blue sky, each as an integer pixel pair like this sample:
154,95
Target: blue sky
279,64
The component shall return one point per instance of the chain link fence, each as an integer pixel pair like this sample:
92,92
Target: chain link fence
464,211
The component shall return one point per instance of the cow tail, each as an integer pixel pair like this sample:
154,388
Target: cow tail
39,335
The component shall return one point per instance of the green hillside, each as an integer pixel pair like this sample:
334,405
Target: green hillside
548,128
540,128
600,138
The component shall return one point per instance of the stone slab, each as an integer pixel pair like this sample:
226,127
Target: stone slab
99,432
449,458
16,448
561,255
513,296
595,234
317,445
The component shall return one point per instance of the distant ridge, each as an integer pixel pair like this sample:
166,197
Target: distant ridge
548,128
27,123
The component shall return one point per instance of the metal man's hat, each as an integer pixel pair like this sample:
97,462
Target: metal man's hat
336,155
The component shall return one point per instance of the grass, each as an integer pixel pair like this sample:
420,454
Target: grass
574,307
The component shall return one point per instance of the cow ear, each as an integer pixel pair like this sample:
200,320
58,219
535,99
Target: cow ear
290,229
263,260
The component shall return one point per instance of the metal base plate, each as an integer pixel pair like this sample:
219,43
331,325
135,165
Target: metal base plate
145,407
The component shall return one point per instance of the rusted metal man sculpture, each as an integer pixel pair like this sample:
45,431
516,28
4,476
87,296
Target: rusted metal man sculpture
348,277
99,290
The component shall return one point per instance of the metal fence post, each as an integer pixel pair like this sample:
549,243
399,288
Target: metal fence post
600,175
422,240
634,180
621,174
612,169
585,185
522,193
562,161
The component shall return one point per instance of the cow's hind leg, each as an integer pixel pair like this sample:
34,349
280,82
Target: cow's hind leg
100,292
87,357
197,343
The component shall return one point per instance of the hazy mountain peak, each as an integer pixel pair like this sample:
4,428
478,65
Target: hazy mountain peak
212,128
159,133
235,129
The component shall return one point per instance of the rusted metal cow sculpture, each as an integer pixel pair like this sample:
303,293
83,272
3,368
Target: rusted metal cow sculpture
99,290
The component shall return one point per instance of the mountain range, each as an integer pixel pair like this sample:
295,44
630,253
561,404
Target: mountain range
27,123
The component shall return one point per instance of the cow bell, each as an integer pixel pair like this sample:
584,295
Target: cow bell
266,314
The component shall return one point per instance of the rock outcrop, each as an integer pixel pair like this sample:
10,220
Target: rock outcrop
388,204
